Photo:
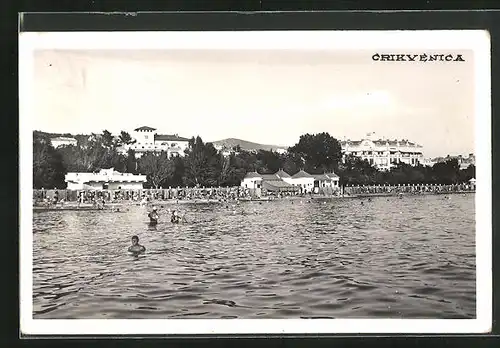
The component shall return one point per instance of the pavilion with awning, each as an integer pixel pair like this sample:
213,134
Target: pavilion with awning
278,185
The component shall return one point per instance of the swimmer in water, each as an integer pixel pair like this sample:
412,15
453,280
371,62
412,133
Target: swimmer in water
153,216
136,247
175,218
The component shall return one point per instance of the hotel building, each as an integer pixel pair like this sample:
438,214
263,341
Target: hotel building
383,153
463,161
147,140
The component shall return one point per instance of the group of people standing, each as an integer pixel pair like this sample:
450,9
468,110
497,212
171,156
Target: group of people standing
154,216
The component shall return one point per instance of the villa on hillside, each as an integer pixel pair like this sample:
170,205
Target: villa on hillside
463,161
383,153
106,179
281,181
147,140
63,141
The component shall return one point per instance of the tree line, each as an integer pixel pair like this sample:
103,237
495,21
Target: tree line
205,166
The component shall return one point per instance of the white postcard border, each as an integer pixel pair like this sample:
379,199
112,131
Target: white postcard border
476,40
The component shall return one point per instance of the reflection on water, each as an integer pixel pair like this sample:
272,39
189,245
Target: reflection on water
388,258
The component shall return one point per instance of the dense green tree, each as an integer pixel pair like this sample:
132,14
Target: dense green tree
157,168
177,178
48,166
320,152
292,162
271,161
125,138
356,171
131,164
202,164
467,174
447,172
92,156
107,139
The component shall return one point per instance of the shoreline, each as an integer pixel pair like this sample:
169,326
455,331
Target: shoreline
110,206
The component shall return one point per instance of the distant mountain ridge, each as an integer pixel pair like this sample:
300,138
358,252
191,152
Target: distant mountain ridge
229,143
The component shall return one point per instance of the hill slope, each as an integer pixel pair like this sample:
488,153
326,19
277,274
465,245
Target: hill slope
245,145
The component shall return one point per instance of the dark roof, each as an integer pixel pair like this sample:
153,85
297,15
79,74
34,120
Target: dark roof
169,137
145,128
325,176
253,175
269,177
277,185
381,142
351,142
302,174
320,177
281,173
332,175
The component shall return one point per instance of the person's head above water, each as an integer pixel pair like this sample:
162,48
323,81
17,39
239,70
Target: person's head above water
136,247
135,240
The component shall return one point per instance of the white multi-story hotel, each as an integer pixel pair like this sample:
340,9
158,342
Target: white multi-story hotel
383,153
147,140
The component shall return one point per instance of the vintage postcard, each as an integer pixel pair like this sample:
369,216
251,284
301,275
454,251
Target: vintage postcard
248,182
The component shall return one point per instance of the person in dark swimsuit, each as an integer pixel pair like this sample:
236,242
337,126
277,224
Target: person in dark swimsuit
153,216
136,247
175,219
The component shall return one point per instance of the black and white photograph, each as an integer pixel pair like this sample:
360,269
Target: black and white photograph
187,182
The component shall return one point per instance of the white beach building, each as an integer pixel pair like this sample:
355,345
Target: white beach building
106,179
304,181
284,176
252,180
326,180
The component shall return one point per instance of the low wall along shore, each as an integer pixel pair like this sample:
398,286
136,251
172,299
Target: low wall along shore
218,193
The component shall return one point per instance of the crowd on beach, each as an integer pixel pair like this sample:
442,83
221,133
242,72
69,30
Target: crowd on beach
99,198
408,189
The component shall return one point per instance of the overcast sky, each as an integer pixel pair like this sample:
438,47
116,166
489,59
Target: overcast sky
270,97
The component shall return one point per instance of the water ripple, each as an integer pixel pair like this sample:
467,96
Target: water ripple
390,258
